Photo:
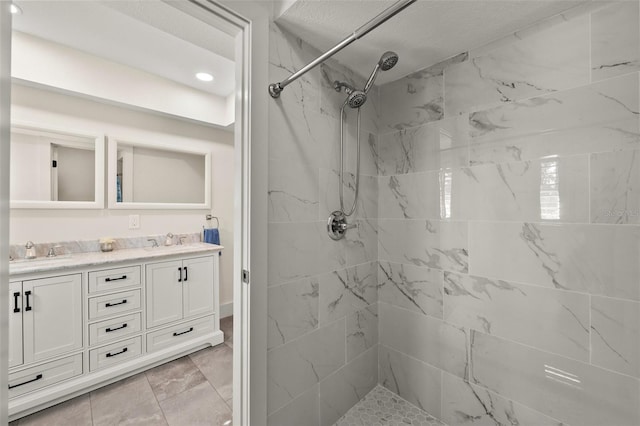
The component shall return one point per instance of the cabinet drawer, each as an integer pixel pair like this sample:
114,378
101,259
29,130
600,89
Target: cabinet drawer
114,328
43,375
113,279
111,304
178,333
115,353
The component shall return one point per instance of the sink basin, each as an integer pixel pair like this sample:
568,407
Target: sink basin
39,260
160,248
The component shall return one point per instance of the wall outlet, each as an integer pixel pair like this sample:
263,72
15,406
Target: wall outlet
134,221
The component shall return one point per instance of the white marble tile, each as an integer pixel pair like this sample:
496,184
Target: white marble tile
615,40
564,389
293,251
361,243
332,255
428,339
595,259
417,382
410,196
593,137
543,62
296,366
362,331
553,189
367,203
343,389
411,287
411,101
293,191
552,320
432,146
615,335
464,403
304,410
346,291
292,310
435,244
615,187
610,101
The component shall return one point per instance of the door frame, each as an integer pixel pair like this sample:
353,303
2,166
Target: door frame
248,22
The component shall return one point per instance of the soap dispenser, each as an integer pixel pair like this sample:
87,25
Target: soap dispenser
31,251
169,240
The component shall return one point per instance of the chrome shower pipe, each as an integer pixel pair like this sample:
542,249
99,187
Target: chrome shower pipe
276,88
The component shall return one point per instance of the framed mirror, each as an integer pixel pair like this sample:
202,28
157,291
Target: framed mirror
143,175
56,168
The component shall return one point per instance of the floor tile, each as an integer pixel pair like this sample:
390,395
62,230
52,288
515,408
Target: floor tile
128,402
216,364
174,377
75,412
198,406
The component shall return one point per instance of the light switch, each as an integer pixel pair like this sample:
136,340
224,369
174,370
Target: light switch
134,221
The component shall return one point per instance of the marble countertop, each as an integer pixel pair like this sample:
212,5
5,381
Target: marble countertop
76,260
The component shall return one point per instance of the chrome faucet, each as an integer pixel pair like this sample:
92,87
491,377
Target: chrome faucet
52,251
154,243
181,240
30,252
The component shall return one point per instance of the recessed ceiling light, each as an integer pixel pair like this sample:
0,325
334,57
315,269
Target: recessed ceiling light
15,9
204,76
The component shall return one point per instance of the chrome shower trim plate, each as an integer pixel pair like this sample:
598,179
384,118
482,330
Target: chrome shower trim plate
337,225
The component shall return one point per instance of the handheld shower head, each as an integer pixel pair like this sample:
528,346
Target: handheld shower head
387,61
356,99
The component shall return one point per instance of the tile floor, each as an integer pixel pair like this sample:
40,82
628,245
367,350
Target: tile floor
193,390
381,407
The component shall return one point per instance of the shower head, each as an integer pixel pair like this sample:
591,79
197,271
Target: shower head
356,99
387,61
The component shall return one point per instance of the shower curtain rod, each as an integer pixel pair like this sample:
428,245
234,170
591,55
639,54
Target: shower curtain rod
276,88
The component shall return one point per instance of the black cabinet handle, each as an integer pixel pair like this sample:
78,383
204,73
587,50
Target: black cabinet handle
27,306
184,332
186,273
16,295
38,377
108,305
109,354
108,280
180,276
109,330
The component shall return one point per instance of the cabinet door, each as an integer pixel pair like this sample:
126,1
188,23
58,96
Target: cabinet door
164,293
15,324
52,316
198,286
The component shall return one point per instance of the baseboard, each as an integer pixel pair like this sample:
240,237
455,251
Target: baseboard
226,310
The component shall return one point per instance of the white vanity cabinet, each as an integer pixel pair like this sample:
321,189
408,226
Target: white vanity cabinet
45,318
76,327
179,289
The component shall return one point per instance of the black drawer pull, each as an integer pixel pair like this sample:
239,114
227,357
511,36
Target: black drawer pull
180,275
109,354
38,377
26,295
184,332
109,330
186,273
15,302
108,280
108,305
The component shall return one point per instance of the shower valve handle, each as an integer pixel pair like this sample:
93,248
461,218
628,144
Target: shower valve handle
346,226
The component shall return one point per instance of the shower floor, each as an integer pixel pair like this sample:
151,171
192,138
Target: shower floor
381,407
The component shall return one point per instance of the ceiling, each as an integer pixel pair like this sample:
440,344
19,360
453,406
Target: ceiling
425,33
148,35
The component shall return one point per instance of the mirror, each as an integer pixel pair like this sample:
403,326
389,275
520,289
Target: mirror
53,168
148,176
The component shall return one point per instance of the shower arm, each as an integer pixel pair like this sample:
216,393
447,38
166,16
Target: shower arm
276,88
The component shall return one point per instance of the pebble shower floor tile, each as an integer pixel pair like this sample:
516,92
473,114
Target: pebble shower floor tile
381,407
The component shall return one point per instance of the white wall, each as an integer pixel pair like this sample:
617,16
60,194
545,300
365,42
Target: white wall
41,61
59,110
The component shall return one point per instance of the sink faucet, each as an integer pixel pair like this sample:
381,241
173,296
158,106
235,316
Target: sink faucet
154,243
181,240
52,251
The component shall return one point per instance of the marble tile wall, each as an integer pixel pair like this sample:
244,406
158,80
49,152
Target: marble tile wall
323,295
508,227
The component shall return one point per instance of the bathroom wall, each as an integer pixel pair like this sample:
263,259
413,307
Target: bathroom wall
322,294
508,213
33,105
